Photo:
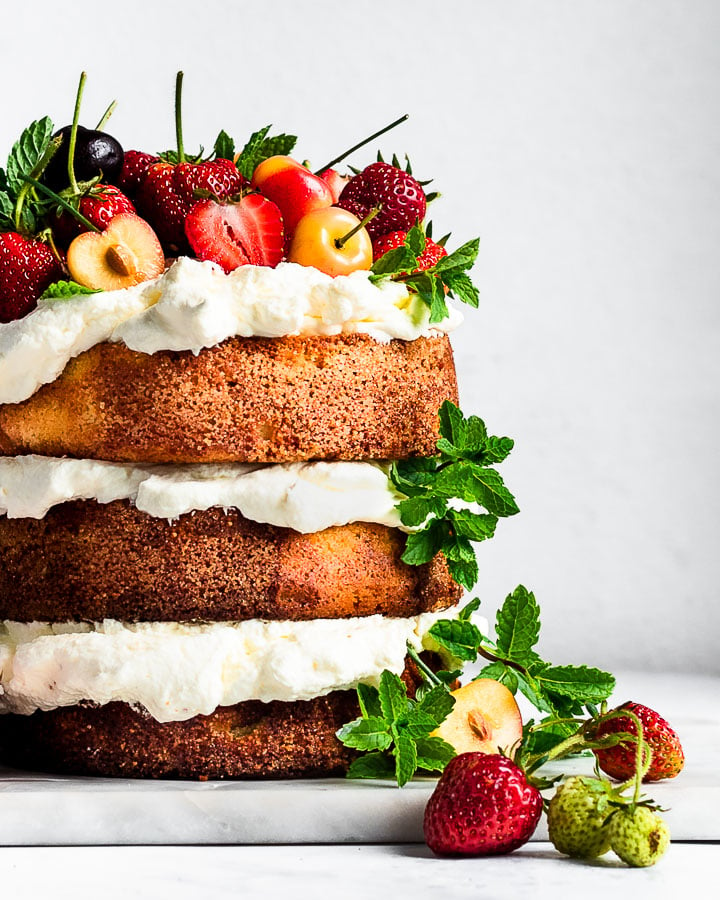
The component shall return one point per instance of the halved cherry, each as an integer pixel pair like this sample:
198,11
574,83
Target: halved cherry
126,253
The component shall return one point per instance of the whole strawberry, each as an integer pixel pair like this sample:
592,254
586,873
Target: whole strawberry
135,168
619,761
401,195
27,267
168,193
427,259
482,805
639,836
576,818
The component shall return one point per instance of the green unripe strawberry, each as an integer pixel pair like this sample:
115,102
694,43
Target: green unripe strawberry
576,819
639,836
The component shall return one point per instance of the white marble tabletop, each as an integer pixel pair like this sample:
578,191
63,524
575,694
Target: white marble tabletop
38,813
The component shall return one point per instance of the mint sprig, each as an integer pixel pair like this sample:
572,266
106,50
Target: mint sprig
559,691
62,290
259,147
21,209
447,277
462,471
394,731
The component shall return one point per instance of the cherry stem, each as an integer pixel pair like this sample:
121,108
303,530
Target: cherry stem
362,143
73,133
105,116
61,202
340,242
178,117
425,669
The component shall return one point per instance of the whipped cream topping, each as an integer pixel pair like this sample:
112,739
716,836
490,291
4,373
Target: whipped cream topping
194,305
306,497
176,671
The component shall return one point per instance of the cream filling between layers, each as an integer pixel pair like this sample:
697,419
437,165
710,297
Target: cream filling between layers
177,671
195,305
306,497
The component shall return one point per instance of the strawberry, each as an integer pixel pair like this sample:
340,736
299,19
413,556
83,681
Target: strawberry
168,193
482,805
638,835
135,168
401,195
427,259
576,818
248,231
619,761
101,204
27,267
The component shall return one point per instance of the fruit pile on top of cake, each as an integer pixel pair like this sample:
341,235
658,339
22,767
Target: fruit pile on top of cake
234,480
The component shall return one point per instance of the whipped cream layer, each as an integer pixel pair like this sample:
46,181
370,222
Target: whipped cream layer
177,671
306,497
196,305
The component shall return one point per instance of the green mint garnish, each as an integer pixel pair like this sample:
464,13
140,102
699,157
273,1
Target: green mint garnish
462,471
62,290
260,147
20,207
430,285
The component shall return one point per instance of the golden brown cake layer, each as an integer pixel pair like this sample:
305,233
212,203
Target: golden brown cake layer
89,561
249,740
247,400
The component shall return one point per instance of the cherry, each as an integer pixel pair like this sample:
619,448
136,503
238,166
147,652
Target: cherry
333,241
95,153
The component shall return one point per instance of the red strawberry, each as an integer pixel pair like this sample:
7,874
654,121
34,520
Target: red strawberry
430,255
27,267
402,198
249,231
482,805
135,168
167,194
99,206
619,761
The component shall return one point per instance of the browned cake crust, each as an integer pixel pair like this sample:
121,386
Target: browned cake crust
248,400
89,561
249,740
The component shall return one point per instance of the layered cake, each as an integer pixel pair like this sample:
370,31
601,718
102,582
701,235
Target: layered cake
202,545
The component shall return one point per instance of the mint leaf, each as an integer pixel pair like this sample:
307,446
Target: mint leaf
369,700
459,260
453,425
461,287
365,734
224,146
260,147
373,765
405,756
581,683
469,608
437,704
518,626
393,696
63,290
502,673
497,449
27,152
474,526
422,546
459,637
433,753
415,241
396,261
415,510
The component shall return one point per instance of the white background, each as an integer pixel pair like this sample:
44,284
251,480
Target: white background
580,140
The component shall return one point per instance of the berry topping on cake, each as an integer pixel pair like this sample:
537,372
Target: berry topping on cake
99,206
135,167
248,231
332,240
97,155
431,254
400,195
27,267
335,181
293,187
126,253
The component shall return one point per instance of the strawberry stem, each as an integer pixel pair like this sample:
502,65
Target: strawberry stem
340,242
73,133
362,143
178,117
105,116
61,202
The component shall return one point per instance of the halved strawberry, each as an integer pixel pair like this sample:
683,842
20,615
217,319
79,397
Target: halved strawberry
248,231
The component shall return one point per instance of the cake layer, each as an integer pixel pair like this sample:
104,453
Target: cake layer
249,740
90,561
250,400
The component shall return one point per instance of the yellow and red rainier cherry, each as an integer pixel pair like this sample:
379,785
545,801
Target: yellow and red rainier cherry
126,253
485,718
333,241
292,187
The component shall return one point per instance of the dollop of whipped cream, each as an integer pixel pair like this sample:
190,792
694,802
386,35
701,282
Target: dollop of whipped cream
196,305
176,671
306,497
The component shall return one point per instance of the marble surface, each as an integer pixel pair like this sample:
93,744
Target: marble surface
45,810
